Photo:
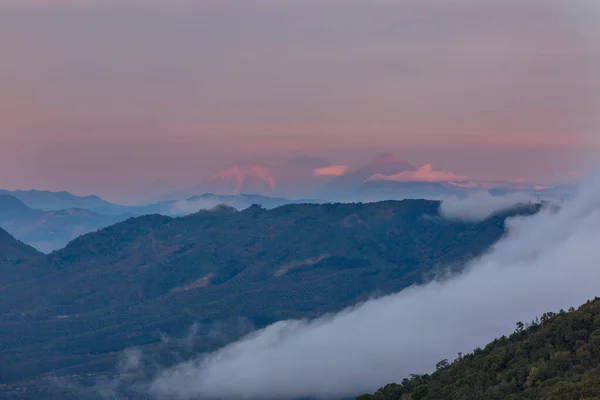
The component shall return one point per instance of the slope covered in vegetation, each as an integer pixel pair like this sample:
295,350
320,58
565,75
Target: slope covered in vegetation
136,282
555,357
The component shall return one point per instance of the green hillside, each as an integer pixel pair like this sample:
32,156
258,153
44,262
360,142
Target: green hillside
135,282
555,357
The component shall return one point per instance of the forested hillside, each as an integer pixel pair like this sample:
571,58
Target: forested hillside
147,278
555,357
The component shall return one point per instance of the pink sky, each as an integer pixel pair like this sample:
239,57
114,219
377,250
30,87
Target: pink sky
105,96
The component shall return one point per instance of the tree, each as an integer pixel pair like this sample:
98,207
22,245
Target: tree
520,327
442,365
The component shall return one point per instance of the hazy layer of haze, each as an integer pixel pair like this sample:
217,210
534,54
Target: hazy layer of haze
547,262
109,96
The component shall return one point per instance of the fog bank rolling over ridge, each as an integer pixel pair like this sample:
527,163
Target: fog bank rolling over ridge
546,262
480,205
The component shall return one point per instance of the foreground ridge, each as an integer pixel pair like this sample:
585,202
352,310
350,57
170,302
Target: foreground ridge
556,356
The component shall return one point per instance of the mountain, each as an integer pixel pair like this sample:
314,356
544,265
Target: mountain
252,178
10,205
52,201
58,201
180,204
17,259
13,250
346,185
239,202
556,357
242,178
49,230
298,178
385,164
295,178
52,229
151,277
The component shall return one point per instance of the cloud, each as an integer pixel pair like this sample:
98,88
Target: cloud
480,205
333,170
546,262
425,173
516,184
131,360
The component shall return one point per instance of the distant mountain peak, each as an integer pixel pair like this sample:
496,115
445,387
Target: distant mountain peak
243,177
348,183
385,164
52,201
11,203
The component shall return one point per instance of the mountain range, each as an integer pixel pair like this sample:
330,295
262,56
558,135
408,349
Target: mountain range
348,184
49,230
147,281
49,220
54,201
296,178
384,177
301,176
52,227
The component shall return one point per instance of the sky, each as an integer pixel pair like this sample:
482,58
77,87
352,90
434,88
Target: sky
110,96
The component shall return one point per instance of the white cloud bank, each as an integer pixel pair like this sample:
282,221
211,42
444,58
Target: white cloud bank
424,173
547,262
331,171
479,205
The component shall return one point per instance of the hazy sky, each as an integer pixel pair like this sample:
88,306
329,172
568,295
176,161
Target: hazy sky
106,96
